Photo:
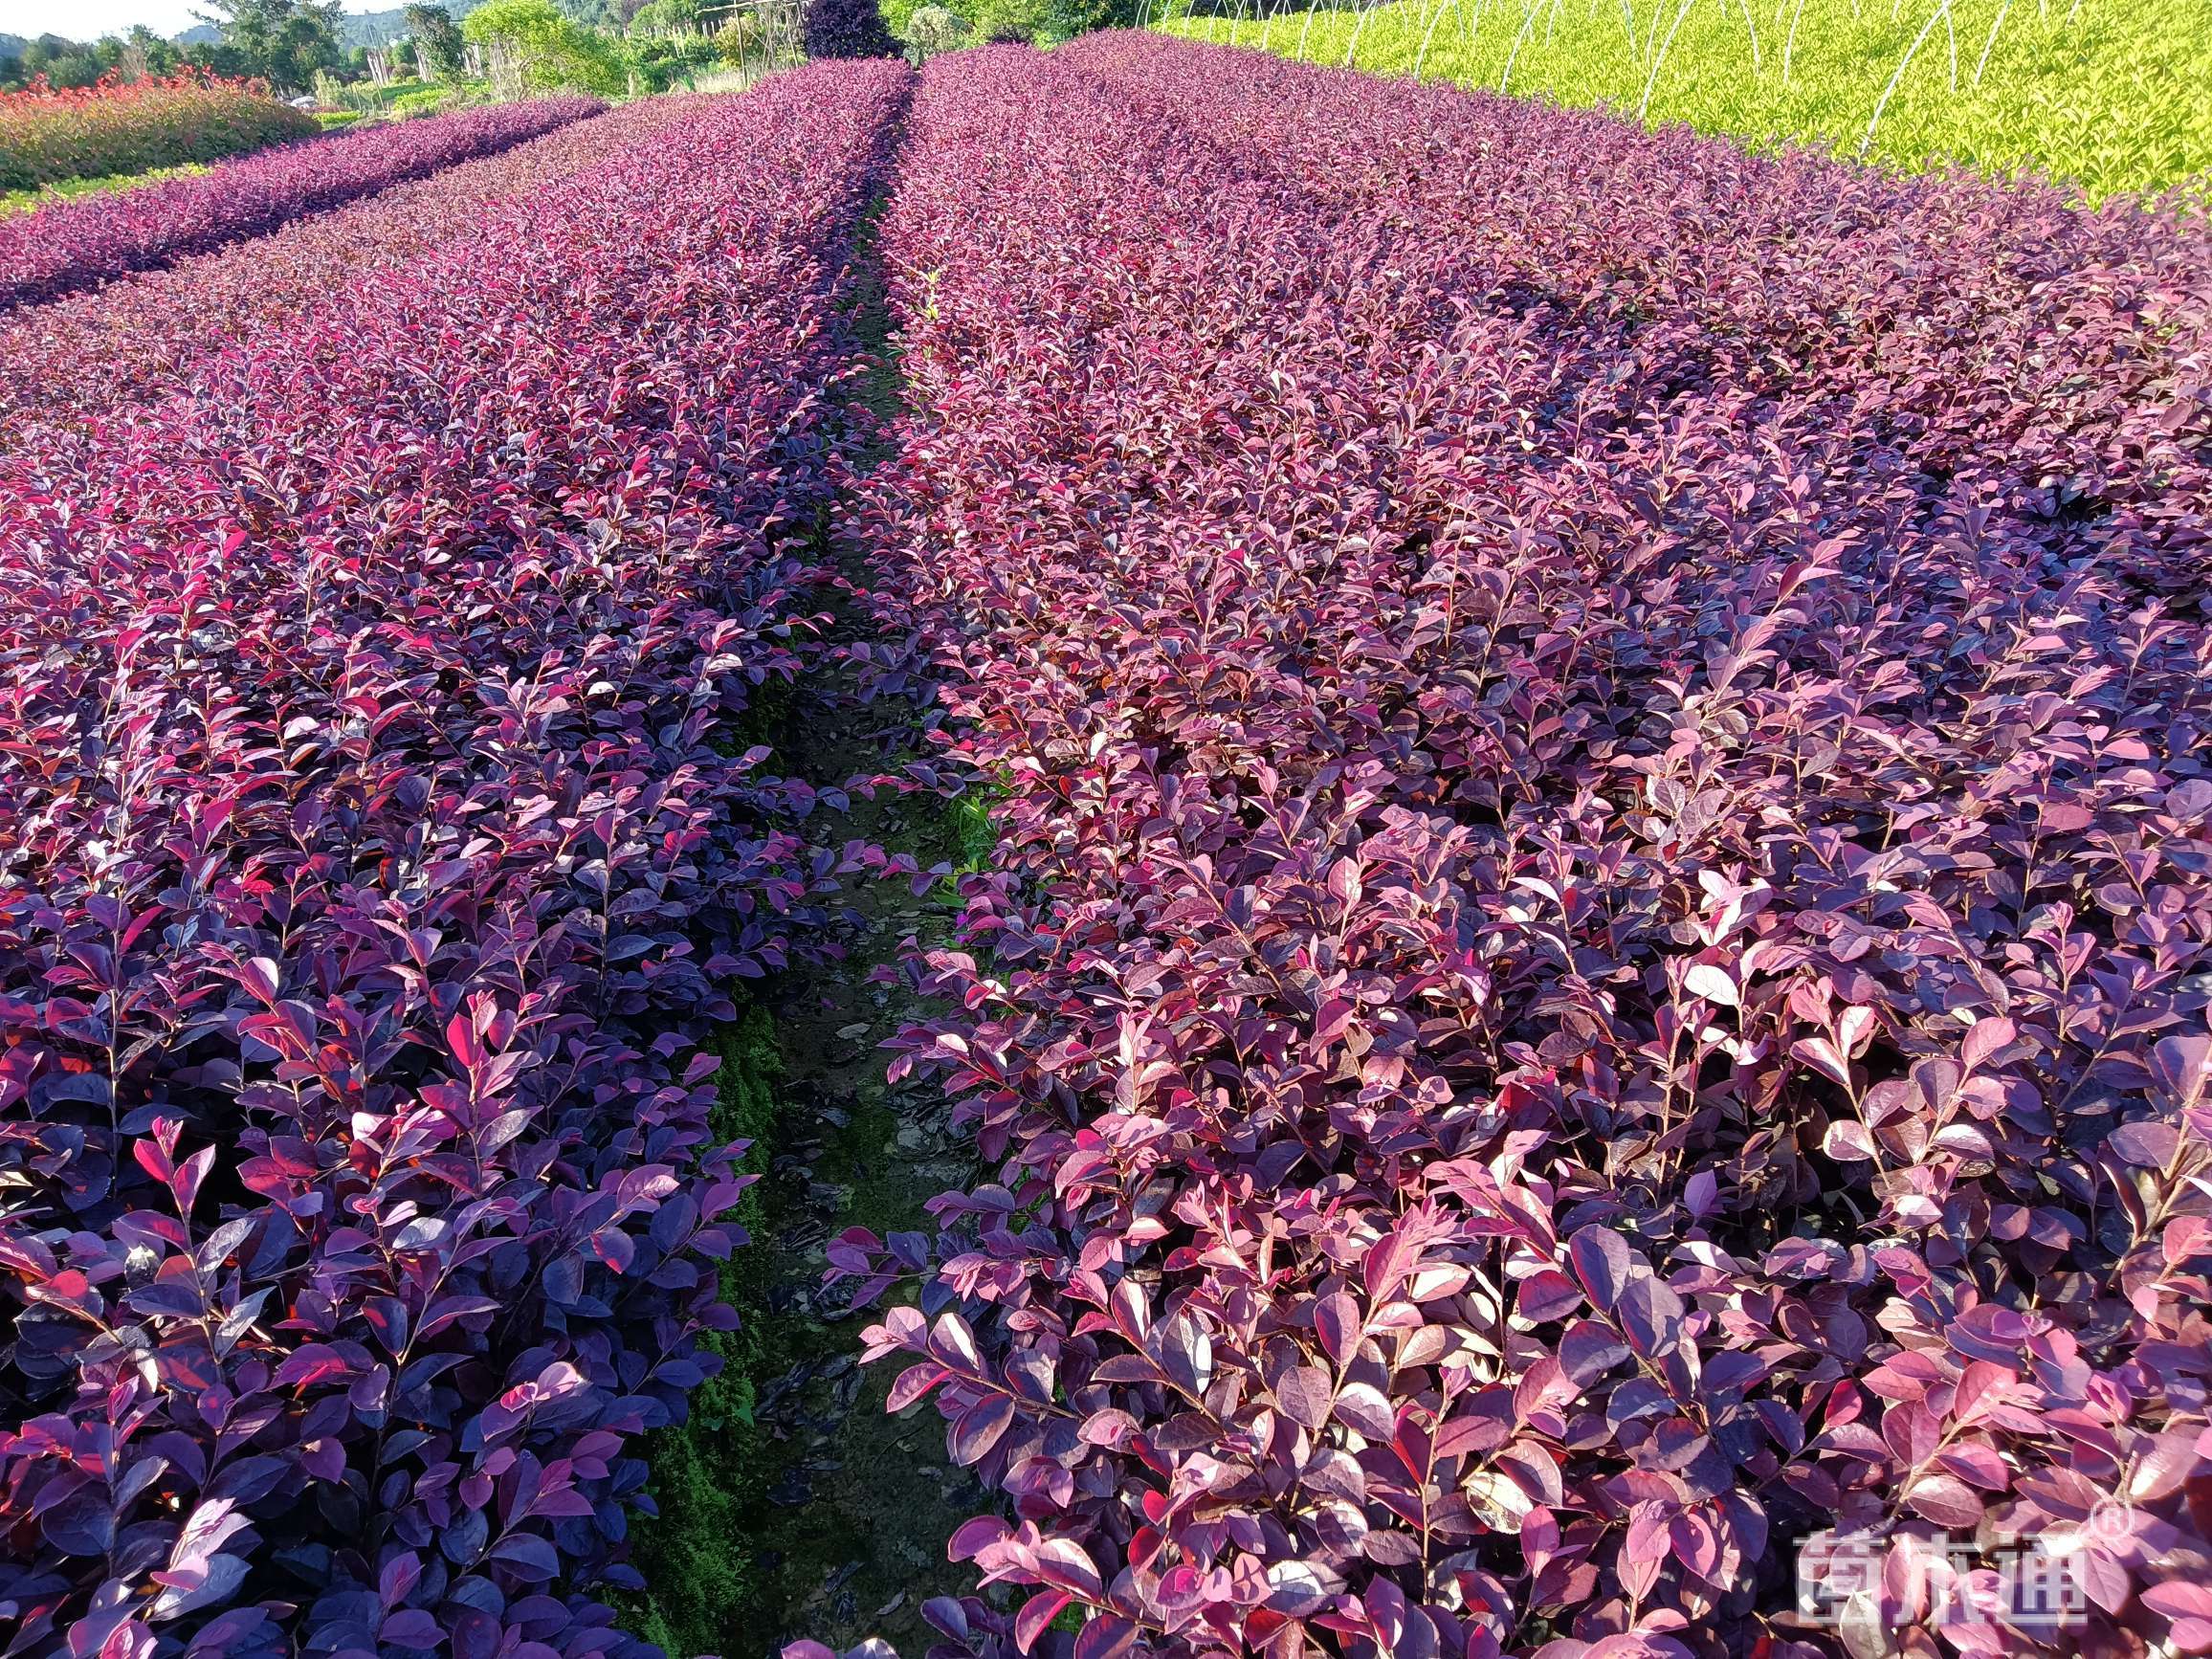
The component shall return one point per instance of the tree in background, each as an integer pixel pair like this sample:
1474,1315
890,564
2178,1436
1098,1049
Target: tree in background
532,46
437,38
738,39
610,15
1064,19
848,29
936,29
667,17
667,45
64,63
284,41
74,63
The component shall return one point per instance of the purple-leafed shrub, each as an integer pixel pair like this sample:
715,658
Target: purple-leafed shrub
1597,958
379,841
145,335
78,243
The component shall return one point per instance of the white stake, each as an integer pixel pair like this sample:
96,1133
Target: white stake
1527,23
1926,29
1652,80
2004,7
1422,56
1366,11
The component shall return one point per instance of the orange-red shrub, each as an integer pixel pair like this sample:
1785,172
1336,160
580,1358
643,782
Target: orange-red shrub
118,126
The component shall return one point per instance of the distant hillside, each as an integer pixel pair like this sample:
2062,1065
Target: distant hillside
375,28
359,28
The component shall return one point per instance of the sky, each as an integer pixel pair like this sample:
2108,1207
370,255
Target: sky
88,19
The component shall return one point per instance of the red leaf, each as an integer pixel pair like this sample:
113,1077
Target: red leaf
911,1383
1037,1612
1946,1500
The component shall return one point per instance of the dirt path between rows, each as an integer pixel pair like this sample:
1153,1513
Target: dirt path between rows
791,1504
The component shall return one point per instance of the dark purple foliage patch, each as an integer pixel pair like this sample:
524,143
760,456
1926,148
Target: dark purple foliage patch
378,845
1598,959
78,243
848,29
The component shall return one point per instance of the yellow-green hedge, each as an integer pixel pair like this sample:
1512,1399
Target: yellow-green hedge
2113,95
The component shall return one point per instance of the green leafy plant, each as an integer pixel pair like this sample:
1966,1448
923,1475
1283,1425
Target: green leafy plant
1065,19
533,46
22,201
2107,94
936,29
739,39
437,38
285,40
1002,21
423,101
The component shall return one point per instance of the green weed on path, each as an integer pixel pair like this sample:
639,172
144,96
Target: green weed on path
792,1504
63,190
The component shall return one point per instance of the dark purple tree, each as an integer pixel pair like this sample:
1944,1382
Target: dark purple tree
848,29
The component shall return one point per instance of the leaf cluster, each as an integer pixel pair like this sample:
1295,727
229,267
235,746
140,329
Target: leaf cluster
1598,958
378,865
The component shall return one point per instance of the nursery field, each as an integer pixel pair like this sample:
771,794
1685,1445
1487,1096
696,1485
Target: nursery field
138,339
73,245
1126,853
2108,95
